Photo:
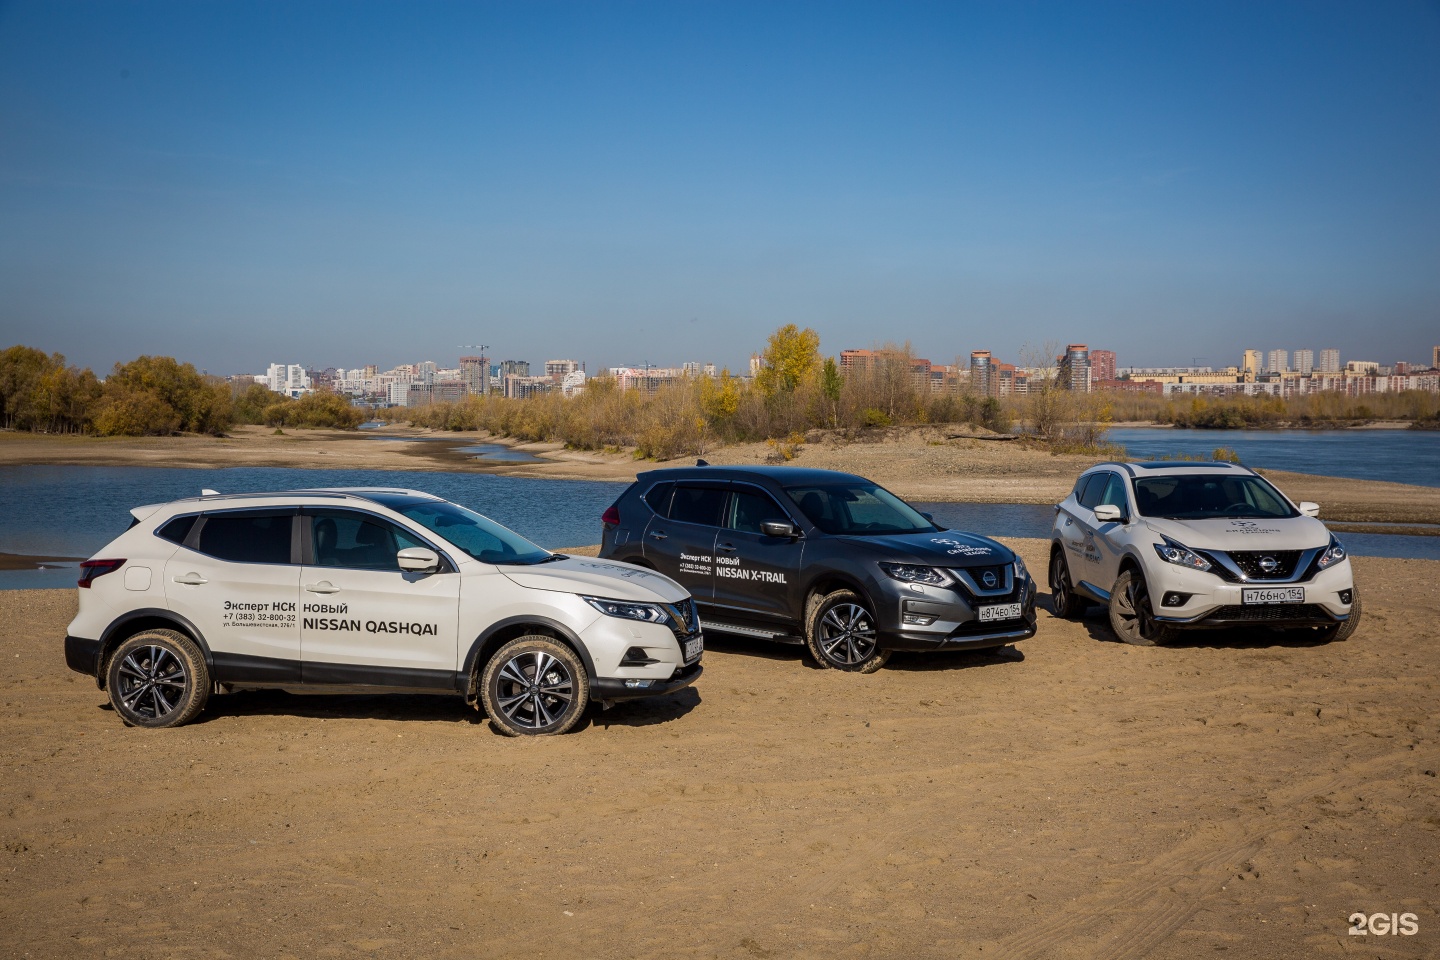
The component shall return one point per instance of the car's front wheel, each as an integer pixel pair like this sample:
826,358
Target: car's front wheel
158,678
534,686
1343,631
841,634
1131,616
1063,599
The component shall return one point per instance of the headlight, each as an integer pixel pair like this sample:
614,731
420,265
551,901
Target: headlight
648,612
1333,554
1172,551
1020,572
911,573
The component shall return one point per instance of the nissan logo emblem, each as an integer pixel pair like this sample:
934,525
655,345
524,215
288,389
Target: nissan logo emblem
989,579
1269,564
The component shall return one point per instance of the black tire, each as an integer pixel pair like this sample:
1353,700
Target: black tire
840,633
158,678
1131,616
1066,603
534,687
1344,631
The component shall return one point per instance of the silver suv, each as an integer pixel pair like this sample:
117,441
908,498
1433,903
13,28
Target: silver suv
1176,546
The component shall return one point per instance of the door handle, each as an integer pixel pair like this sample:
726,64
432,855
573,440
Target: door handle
659,535
191,580
724,548
324,586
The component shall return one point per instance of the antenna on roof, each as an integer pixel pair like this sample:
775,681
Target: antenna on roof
207,492
702,463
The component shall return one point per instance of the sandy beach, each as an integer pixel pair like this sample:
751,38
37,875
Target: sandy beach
921,465
1241,793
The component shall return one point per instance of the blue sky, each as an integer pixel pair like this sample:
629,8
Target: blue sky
338,184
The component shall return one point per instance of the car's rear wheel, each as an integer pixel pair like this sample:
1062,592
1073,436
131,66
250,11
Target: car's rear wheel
1131,616
841,634
158,678
1344,631
534,686
1063,599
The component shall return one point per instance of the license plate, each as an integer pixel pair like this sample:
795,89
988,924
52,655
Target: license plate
999,611
1273,595
693,649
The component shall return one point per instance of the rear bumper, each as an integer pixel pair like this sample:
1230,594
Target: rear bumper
82,655
614,688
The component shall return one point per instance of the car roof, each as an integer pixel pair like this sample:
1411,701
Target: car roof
372,494
784,476
1172,468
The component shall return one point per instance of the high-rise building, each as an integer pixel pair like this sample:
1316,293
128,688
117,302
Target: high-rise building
982,366
1435,358
1102,365
1075,368
514,368
1279,361
757,361
288,378
1250,366
1305,362
558,370
425,372
473,375
1330,361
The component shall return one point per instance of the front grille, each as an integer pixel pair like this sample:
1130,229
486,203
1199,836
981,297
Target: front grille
1249,562
1272,612
684,617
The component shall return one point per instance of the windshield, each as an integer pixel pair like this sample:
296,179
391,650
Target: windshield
480,537
857,508
1197,497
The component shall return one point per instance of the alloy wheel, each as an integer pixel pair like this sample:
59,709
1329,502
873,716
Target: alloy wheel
152,682
847,634
535,690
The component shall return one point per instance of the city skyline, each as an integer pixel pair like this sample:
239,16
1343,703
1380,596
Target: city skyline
204,180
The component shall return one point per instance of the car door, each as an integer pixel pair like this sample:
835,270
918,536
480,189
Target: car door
236,577
1083,545
1110,534
754,572
363,619
681,542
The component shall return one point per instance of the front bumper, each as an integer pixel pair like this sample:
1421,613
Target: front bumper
956,624
614,688
1212,603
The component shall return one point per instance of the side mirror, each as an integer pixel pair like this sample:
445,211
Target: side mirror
779,528
1309,509
418,560
1108,513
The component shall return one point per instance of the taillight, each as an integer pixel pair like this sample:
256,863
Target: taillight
91,569
611,516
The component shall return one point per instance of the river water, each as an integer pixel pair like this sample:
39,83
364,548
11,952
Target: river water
1400,456
74,511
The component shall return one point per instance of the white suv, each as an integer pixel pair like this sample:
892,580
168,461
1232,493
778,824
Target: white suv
369,588
1169,546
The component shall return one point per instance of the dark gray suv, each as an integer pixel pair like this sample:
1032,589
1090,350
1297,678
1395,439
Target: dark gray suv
827,559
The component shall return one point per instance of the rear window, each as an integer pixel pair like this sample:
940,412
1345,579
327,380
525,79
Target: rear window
1094,489
247,537
697,505
177,529
657,498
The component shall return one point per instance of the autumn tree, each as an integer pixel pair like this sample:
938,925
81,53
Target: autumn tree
791,356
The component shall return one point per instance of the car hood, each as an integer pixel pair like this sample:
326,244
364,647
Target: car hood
941,548
599,578
1293,533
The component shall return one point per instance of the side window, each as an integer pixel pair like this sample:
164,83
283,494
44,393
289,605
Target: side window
749,509
247,537
357,541
1094,489
1115,493
177,529
657,498
697,504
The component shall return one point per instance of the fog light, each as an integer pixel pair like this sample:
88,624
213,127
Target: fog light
637,684
918,620
1346,596
637,657
1173,599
